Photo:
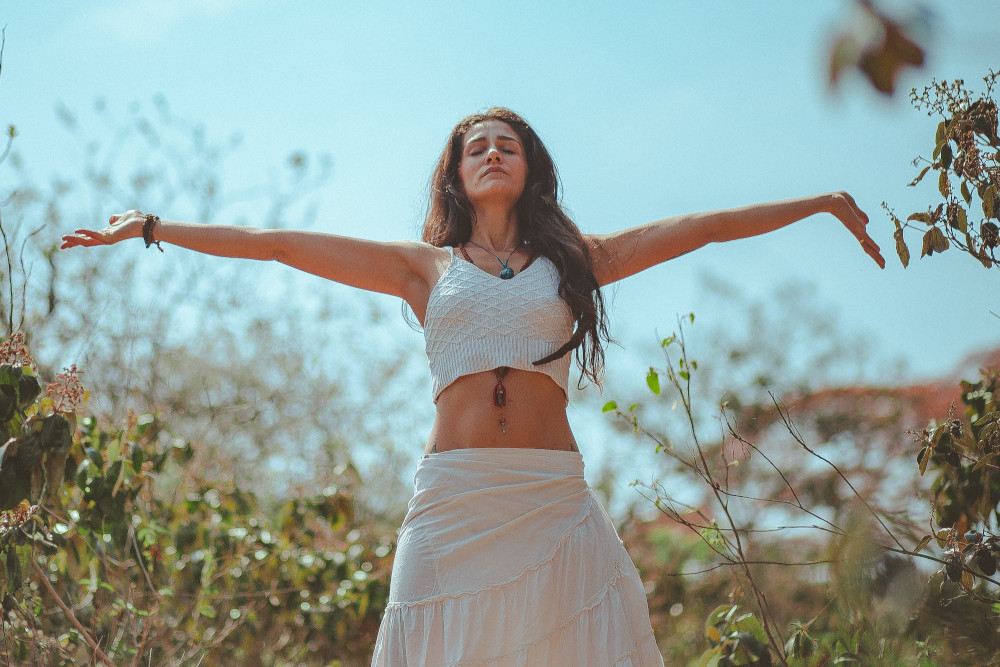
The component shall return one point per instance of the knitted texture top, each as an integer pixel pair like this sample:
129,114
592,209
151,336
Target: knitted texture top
475,322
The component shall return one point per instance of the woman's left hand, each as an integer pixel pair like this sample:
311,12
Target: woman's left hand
848,212
120,227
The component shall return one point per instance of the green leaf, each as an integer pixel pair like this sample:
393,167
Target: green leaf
966,194
95,458
709,658
989,197
137,458
923,543
685,375
653,381
934,241
946,155
924,217
922,459
963,219
939,135
721,614
609,406
901,249
749,623
13,571
986,460
923,172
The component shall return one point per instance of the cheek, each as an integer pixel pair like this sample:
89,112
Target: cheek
523,175
465,175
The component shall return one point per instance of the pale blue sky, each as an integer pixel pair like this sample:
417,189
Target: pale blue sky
650,109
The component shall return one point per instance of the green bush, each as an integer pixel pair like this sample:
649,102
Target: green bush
114,549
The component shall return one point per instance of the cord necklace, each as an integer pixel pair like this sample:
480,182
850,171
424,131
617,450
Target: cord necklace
506,273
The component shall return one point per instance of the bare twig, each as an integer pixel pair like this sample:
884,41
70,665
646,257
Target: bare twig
10,281
44,578
787,421
682,383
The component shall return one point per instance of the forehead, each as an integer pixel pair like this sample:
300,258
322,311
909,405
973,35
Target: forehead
490,129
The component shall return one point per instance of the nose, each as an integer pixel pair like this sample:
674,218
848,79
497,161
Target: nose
493,156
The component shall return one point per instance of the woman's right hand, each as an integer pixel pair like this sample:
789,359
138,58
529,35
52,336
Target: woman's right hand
127,225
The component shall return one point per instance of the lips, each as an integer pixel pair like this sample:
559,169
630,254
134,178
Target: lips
494,170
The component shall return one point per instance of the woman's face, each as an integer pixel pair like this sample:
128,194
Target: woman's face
493,167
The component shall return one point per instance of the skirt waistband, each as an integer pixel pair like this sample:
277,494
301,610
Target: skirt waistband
524,458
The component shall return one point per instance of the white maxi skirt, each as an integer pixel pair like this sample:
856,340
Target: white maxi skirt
506,558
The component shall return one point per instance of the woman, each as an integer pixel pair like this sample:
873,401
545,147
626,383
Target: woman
505,556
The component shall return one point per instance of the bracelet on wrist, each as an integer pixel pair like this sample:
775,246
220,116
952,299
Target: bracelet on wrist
147,230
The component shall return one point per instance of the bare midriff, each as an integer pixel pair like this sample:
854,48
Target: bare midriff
534,415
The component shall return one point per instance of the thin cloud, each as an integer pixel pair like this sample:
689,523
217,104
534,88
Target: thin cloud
140,21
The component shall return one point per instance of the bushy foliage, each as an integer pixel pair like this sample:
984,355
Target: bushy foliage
115,549
966,158
965,493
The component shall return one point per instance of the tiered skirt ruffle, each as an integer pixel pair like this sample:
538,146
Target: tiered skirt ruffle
507,559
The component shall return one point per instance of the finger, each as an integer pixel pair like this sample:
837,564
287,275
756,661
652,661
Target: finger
873,251
72,242
86,237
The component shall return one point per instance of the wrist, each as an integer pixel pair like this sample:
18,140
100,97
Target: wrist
149,225
830,202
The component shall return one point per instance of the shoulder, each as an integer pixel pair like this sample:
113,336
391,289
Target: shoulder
420,253
603,259
424,260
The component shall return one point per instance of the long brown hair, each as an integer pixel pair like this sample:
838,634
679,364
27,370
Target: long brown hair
541,222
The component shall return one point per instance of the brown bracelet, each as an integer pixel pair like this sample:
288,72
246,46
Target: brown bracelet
147,231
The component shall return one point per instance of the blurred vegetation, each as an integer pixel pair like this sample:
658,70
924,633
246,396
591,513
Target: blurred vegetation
879,46
115,548
787,542
225,356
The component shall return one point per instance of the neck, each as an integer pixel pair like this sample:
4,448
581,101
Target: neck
496,230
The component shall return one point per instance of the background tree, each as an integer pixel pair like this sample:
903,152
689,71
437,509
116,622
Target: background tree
228,358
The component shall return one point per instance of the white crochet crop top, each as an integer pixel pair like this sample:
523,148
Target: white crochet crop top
475,321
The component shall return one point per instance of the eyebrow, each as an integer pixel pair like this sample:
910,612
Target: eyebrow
502,137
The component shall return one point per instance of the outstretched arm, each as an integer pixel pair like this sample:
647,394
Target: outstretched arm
405,269
622,254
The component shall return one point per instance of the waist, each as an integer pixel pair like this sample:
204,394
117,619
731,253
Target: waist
533,415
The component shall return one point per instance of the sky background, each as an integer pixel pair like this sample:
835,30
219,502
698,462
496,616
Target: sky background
650,109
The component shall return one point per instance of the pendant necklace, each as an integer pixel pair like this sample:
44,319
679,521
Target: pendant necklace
506,273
